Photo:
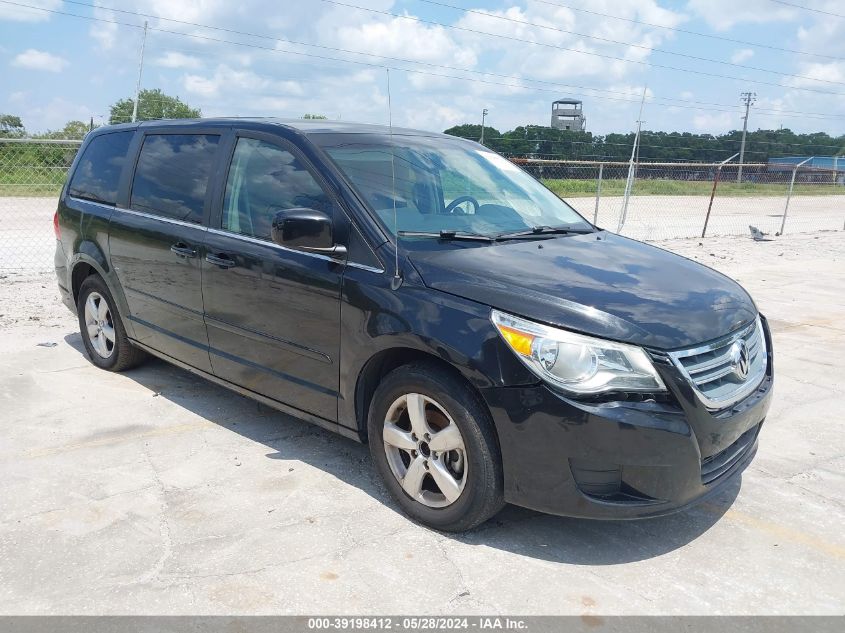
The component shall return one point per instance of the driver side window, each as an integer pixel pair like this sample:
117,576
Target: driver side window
263,180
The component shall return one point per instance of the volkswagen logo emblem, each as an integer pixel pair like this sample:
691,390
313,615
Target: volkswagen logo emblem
740,359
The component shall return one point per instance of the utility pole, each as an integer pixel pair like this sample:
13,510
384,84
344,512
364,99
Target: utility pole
483,118
629,183
749,98
140,70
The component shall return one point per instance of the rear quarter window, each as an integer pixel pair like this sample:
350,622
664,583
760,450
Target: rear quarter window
97,175
172,175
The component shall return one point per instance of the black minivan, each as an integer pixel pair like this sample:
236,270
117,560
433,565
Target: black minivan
424,294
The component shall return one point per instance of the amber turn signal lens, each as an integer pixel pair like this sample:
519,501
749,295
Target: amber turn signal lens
519,341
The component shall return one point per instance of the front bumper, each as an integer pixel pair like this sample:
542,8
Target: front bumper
622,459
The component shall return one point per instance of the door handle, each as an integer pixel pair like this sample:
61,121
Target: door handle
180,249
223,261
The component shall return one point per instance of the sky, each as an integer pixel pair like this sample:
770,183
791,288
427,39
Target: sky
447,59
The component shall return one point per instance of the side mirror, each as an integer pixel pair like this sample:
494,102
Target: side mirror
307,230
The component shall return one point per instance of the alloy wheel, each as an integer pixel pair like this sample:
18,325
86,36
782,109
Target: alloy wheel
425,450
99,325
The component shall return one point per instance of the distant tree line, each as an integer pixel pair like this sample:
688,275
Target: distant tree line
537,141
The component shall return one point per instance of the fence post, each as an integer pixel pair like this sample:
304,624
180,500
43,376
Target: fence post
789,193
598,194
713,191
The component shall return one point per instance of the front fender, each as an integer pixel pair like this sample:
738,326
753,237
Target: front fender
418,320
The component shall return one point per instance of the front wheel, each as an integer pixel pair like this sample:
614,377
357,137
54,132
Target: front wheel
433,443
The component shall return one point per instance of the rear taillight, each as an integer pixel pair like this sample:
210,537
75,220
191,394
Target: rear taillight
56,228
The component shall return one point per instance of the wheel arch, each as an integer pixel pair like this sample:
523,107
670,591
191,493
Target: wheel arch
80,272
84,265
385,361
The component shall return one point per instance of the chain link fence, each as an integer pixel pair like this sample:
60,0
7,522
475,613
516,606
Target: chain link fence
674,200
667,200
32,173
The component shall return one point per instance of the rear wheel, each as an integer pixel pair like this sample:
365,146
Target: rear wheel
103,333
433,443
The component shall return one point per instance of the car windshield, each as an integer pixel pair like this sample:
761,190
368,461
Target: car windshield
444,185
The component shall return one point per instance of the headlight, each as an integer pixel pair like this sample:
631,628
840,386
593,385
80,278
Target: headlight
578,364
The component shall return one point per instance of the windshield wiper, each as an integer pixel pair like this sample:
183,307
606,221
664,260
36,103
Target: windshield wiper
448,235
540,231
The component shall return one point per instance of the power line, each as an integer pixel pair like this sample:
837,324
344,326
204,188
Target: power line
582,52
622,43
343,50
396,59
370,64
670,102
799,6
731,109
688,32
673,103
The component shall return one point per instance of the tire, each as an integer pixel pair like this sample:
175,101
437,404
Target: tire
475,491
102,331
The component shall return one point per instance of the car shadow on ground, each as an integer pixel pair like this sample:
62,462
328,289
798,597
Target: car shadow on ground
517,530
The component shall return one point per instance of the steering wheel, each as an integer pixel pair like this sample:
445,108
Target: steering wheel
450,208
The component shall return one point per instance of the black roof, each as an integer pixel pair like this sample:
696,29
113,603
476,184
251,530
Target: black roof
305,126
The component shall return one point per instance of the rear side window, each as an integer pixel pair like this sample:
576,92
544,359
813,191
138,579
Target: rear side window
172,175
97,175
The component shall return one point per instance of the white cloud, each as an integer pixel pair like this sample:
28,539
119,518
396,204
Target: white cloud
408,39
570,45
714,122
52,114
174,59
33,59
238,83
105,33
203,86
824,71
225,79
723,15
24,14
742,55
197,11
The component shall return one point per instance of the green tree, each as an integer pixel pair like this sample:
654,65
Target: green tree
472,131
11,126
537,141
75,130
152,104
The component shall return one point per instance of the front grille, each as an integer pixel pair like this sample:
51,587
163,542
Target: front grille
712,369
717,465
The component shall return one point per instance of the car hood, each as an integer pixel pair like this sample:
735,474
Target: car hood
599,283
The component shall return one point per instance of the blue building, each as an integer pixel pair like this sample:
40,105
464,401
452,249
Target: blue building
819,162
